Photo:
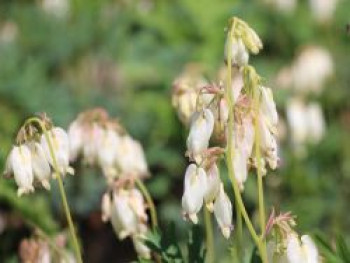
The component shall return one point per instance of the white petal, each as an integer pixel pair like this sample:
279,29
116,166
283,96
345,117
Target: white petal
106,206
40,164
75,134
294,250
268,106
310,249
213,186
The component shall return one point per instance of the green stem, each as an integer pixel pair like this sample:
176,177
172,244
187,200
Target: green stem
60,186
209,236
150,202
239,233
229,155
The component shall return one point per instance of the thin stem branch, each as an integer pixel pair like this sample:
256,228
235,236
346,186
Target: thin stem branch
150,202
209,236
61,188
239,233
229,155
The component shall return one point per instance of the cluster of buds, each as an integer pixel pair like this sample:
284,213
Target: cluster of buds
41,249
124,206
254,112
102,141
36,152
285,245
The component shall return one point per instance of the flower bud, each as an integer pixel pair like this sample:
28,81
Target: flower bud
60,146
20,164
202,125
223,212
239,53
107,153
195,185
40,164
251,40
213,186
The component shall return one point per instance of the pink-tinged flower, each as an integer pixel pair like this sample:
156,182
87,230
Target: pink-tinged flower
76,142
40,164
195,185
60,146
243,144
239,52
107,153
213,186
131,158
123,218
268,106
223,212
19,163
202,125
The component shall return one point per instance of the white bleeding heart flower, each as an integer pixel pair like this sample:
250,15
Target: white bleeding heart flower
322,10
195,185
131,157
137,203
304,251
92,139
223,212
268,106
60,146
76,139
239,52
40,164
201,129
107,153
213,186
19,163
316,123
123,218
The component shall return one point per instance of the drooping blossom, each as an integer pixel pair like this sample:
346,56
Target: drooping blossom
223,212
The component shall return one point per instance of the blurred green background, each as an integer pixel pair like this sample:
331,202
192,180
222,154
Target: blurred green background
124,55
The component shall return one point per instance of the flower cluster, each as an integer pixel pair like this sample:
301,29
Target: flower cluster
102,141
306,76
36,153
208,107
285,245
124,206
41,249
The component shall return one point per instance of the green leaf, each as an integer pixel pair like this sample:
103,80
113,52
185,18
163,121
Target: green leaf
196,250
342,249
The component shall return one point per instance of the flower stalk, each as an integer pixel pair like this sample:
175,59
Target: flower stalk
209,237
